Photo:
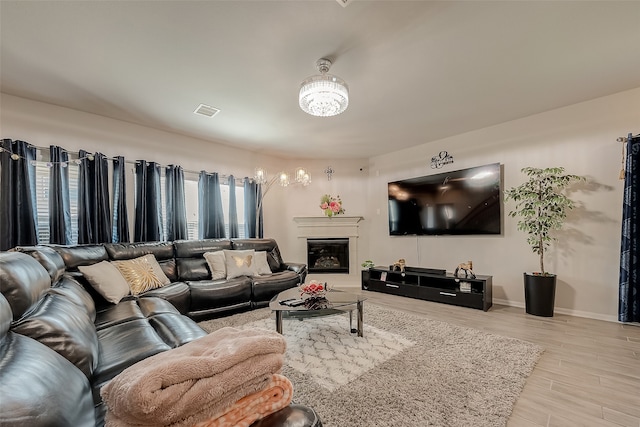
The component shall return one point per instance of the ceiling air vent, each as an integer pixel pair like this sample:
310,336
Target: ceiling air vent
206,110
344,3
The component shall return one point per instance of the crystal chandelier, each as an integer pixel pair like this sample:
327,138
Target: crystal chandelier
324,95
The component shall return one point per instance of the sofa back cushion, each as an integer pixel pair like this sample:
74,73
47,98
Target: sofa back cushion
63,326
162,251
74,256
23,281
48,258
76,293
190,257
268,245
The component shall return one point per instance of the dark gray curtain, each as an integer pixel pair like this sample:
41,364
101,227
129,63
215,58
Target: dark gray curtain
629,289
211,224
252,209
176,208
120,229
17,194
148,220
94,215
59,203
233,209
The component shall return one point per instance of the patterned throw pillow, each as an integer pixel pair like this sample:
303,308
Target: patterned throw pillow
142,274
239,263
216,262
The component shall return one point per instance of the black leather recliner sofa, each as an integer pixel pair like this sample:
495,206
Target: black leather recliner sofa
60,341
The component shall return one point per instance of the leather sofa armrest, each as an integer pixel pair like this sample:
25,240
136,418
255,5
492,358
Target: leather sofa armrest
295,267
298,268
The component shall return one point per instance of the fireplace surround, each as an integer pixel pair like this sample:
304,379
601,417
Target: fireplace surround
343,228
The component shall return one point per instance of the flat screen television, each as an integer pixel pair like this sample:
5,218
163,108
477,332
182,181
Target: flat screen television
462,202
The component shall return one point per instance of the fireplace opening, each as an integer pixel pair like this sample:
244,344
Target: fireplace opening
328,255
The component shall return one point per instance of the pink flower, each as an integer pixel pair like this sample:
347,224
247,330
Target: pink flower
324,206
335,206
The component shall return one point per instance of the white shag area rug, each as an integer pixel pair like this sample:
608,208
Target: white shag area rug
407,370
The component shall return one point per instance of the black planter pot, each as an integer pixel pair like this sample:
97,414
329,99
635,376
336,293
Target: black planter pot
539,294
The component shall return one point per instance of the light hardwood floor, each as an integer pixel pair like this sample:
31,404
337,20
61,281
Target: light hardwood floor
589,374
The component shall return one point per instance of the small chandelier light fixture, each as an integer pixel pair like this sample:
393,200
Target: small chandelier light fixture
300,176
324,95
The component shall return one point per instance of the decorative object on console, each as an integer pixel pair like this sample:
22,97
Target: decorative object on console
323,95
368,264
399,265
465,286
466,268
331,205
542,207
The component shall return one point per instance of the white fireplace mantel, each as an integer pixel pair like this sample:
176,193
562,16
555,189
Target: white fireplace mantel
323,226
313,227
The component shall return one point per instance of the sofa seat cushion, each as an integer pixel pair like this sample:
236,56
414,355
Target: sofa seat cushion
268,285
177,293
60,324
124,344
40,388
209,294
175,329
122,312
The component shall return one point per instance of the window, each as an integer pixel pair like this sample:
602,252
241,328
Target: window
42,200
191,204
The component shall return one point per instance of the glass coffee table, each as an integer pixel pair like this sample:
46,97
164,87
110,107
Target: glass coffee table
334,302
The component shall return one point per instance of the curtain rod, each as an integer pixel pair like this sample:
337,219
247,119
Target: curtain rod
135,162
626,138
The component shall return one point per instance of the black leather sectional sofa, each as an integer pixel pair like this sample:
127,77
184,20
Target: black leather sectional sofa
60,341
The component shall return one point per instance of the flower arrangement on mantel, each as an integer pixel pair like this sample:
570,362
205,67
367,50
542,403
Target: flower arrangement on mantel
331,205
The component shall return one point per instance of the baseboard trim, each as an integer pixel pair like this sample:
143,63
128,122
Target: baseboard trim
561,310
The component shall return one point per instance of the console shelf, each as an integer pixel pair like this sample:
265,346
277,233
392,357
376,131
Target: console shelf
430,285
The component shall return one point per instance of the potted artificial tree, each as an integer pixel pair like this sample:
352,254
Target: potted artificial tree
542,207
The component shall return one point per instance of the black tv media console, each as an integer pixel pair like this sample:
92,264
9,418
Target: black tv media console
431,285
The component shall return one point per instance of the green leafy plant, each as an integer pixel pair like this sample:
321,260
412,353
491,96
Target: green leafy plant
368,264
541,206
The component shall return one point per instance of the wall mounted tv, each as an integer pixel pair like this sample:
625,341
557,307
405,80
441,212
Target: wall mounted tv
462,202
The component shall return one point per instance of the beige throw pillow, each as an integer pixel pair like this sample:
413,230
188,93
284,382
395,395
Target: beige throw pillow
216,262
260,264
239,263
142,274
106,279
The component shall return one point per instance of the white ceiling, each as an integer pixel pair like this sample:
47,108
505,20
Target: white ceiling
418,71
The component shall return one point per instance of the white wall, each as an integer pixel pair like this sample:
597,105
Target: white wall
581,138
44,124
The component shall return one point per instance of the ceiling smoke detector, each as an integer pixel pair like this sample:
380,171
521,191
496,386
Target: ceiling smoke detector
206,110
